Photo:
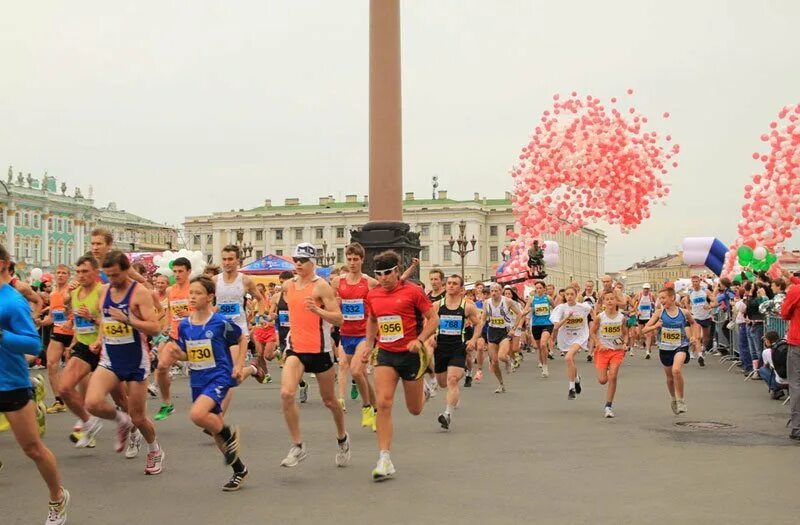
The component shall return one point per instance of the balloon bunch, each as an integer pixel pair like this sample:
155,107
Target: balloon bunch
36,277
758,259
773,199
164,263
588,161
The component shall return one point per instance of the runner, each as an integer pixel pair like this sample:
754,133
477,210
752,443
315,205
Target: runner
205,339
265,337
570,320
540,307
610,333
452,346
102,240
309,348
178,309
644,306
673,343
515,331
352,288
33,298
436,278
483,341
496,311
279,314
127,318
402,318
702,302
18,337
61,320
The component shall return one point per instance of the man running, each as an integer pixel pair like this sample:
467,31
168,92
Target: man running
610,333
673,344
352,288
60,318
570,320
178,308
452,346
18,337
496,312
402,318
436,278
309,348
702,302
127,318
279,314
643,305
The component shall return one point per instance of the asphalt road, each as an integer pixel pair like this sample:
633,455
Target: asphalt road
528,456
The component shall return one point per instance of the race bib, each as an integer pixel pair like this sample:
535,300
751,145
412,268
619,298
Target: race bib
497,322
200,354
671,336
353,309
179,308
390,328
116,333
644,307
541,310
59,317
450,324
84,326
611,330
700,299
230,310
283,318
574,323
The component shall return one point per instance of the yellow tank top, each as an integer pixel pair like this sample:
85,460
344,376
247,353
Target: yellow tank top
86,329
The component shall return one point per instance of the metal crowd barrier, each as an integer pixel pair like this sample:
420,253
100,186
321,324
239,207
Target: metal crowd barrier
777,324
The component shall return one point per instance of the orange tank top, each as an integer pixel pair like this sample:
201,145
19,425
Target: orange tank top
309,333
61,317
178,303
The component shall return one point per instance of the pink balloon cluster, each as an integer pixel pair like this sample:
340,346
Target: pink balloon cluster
588,161
772,201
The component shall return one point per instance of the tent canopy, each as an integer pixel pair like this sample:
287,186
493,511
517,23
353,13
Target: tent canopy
275,264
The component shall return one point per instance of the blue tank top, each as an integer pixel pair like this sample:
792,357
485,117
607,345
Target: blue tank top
540,311
122,343
207,348
672,335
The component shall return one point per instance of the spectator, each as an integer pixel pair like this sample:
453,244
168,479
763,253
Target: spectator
790,311
756,294
741,325
774,365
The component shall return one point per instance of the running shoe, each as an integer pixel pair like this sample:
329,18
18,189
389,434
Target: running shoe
366,416
374,420
134,444
578,385
296,455
550,355
57,407
152,389
434,387
478,376
123,431
384,470
343,452
342,404
5,426
500,389
674,406
681,406
155,461
88,433
426,389
231,451
304,393
444,420
353,390
701,361
631,352
235,483
39,388
164,412
539,365
647,355
608,413
589,358
467,381
41,417
571,394
57,510
545,372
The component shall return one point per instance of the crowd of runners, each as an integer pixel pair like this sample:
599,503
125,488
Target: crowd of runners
117,337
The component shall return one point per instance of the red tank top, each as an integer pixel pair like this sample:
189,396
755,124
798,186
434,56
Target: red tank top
352,297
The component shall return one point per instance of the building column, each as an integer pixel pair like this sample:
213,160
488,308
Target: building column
11,229
45,246
216,244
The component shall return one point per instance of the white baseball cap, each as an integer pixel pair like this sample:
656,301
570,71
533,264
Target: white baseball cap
646,285
305,249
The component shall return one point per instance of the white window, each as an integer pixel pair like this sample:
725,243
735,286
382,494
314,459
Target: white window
493,254
424,230
493,231
447,229
425,254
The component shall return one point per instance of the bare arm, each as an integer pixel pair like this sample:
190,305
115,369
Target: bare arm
32,297
410,270
474,316
330,310
372,331
136,276
654,323
251,287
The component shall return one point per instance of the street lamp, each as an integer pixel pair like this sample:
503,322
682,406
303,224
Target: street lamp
326,259
246,250
464,246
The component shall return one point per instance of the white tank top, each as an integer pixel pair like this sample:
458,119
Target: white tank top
645,307
698,299
230,301
497,314
609,331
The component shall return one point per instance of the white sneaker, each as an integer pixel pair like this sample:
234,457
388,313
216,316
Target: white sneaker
539,365
134,444
296,455
681,406
384,469
57,513
608,412
426,389
500,389
90,431
343,454
545,372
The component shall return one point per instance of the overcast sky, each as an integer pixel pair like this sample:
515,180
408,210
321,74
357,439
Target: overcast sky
174,108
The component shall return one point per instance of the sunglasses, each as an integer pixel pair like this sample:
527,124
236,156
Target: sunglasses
381,273
301,260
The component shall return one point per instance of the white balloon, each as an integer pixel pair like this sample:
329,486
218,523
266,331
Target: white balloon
36,274
157,260
168,255
166,272
760,253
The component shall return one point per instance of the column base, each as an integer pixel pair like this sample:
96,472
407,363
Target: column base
376,237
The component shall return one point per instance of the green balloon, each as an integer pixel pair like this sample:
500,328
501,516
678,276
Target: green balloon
170,264
745,254
772,258
738,279
171,279
750,276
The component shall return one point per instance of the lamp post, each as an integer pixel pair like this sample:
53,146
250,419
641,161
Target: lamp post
464,246
326,259
245,249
